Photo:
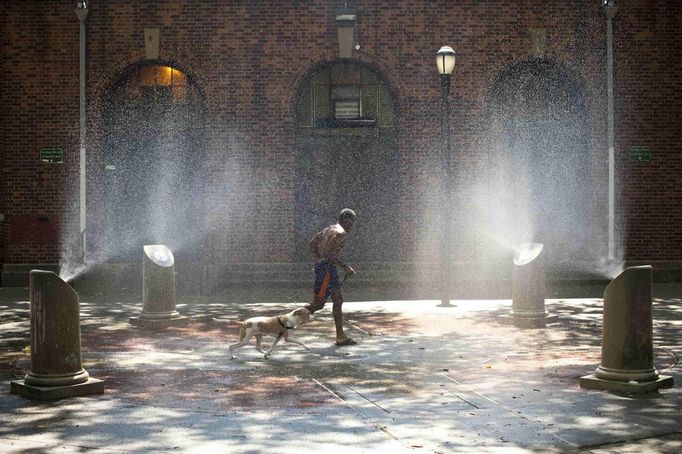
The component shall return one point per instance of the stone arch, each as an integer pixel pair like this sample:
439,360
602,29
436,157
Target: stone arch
148,162
297,80
347,162
109,76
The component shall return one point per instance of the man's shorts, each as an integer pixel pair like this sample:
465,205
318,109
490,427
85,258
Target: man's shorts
326,280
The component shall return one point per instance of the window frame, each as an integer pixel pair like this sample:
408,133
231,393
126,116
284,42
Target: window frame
326,80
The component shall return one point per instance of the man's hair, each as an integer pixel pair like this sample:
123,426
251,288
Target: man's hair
346,213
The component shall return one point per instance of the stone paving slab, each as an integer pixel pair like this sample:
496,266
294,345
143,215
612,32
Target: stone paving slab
115,425
422,379
663,444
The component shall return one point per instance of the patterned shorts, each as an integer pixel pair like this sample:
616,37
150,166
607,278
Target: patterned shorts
326,280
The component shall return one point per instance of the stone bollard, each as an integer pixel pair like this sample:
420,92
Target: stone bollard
56,370
529,288
158,290
627,354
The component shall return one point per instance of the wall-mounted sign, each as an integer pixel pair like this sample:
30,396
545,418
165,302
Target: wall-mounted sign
51,155
640,153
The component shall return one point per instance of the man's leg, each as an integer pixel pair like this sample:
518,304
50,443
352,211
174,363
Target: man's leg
337,299
317,304
320,288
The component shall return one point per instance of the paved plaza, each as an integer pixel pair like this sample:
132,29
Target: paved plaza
423,378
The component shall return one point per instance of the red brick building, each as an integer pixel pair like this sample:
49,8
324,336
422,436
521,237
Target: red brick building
230,130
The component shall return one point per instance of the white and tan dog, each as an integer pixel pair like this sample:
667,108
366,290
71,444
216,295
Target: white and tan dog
278,327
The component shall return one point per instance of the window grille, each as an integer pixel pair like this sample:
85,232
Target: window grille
344,94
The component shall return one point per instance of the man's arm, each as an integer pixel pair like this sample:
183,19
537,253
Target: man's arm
314,245
335,246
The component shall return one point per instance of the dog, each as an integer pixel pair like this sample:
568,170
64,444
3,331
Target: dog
278,327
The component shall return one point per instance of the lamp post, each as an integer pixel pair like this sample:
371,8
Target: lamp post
445,62
610,9
82,14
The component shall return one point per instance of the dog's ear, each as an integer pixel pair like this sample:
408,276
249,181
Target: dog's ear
303,313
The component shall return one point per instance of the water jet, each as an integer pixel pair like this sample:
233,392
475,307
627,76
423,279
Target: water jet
158,290
529,288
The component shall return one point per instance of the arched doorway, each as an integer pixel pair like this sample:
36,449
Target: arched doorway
346,156
540,119
151,154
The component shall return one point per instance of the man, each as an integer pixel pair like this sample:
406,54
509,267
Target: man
326,247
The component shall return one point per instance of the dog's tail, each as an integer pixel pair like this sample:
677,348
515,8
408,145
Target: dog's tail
224,320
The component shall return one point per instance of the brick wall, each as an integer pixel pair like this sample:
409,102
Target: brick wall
648,113
40,109
248,59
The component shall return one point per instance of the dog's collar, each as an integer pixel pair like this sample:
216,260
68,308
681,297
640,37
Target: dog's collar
284,324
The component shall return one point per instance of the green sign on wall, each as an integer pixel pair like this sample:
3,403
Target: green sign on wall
51,155
640,153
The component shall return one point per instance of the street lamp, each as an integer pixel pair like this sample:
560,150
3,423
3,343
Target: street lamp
445,62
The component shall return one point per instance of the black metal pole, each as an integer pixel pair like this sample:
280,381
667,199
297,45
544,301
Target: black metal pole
446,193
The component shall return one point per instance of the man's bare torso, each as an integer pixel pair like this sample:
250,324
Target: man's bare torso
328,243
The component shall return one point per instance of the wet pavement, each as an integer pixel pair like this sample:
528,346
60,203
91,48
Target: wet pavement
423,378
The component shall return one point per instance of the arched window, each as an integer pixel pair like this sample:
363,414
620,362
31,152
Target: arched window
346,157
151,163
157,80
344,94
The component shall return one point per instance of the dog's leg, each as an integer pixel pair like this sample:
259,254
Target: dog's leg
272,347
234,347
296,341
259,339
243,340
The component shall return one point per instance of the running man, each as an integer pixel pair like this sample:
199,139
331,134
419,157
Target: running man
326,247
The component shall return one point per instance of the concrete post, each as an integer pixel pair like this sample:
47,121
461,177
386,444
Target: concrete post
627,357
56,370
158,290
529,288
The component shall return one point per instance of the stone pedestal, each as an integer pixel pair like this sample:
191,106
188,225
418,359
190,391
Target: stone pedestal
56,370
158,290
529,289
627,356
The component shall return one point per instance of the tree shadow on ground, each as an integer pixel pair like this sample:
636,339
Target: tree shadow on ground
465,374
